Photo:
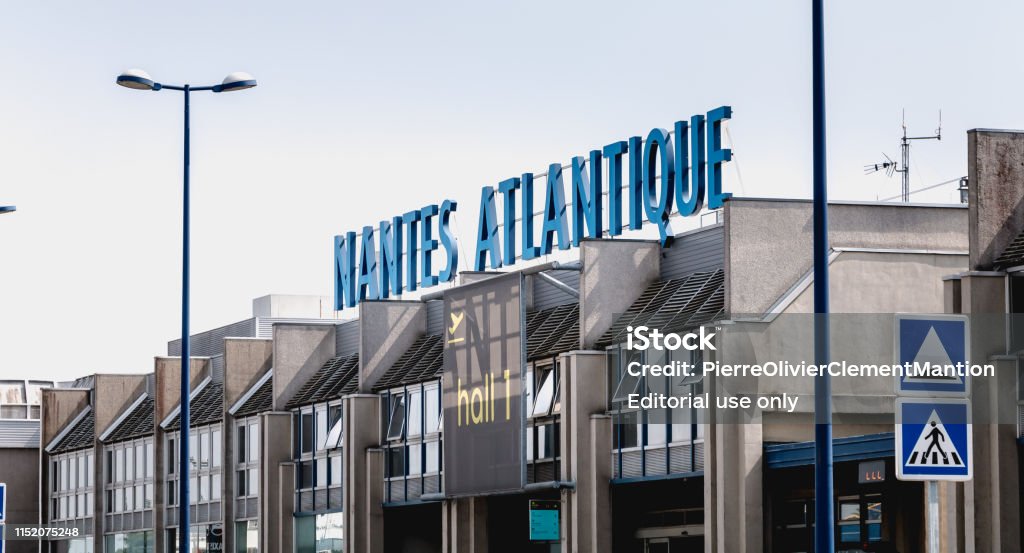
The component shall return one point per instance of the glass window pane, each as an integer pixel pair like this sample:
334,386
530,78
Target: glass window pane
415,413
140,497
415,460
432,408
129,463
321,472
72,473
254,442
193,450
336,476
140,461
204,488
253,486
397,425
307,432
656,433
321,428
215,486
240,448
545,393
240,478
306,475
215,447
334,436
204,449
149,460
172,456
433,457
149,496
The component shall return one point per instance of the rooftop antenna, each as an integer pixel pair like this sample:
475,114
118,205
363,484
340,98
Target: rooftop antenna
891,167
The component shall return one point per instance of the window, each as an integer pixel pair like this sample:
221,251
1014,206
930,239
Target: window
545,392
432,410
254,442
247,468
71,485
131,474
415,413
397,425
205,477
307,432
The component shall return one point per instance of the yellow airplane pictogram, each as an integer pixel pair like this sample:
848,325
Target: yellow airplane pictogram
456,321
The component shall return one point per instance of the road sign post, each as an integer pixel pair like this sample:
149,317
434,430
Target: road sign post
933,424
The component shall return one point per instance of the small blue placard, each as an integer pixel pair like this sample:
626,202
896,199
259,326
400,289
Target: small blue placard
933,439
544,523
3,503
935,339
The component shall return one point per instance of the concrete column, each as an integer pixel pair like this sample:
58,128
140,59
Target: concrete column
585,455
285,538
362,432
733,482
277,495
992,499
465,525
374,520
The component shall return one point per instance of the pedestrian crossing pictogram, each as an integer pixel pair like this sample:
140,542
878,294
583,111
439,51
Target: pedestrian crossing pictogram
933,439
933,446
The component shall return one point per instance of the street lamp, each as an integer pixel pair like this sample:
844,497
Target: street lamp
140,80
7,209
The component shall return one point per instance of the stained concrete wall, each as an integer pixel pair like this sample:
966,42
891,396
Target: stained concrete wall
114,393
58,407
768,242
299,351
995,192
386,330
615,273
167,382
246,360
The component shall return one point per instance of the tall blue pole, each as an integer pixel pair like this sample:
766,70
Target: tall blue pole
824,520
184,528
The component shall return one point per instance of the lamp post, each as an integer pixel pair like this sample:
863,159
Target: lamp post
7,209
140,80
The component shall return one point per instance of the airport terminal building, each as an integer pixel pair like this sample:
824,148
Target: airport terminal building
310,434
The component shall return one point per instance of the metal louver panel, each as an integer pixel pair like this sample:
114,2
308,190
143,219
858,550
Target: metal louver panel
673,306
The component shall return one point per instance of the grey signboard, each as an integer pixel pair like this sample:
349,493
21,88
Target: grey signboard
482,387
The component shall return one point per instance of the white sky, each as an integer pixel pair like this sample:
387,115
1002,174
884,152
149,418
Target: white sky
367,111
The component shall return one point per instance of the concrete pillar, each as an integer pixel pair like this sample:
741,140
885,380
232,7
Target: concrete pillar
733,480
585,454
166,395
386,330
615,273
361,419
374,500
286,507
465,525
277,495
992,499
246,360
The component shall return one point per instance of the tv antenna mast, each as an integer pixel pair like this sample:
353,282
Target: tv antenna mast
903,167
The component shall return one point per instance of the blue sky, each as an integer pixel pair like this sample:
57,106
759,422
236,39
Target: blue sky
368,110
